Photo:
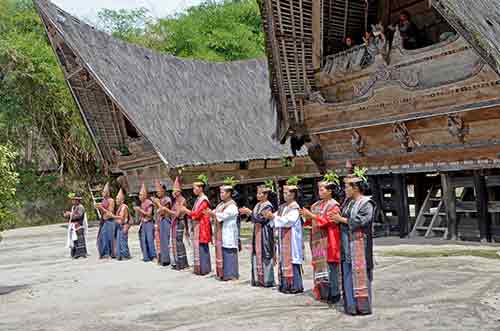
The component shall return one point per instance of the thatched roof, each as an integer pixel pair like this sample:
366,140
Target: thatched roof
479,22
193,112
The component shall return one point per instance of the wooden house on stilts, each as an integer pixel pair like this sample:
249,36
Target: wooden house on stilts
418,104
152,115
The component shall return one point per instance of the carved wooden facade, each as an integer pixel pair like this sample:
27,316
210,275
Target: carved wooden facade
391,109
379,105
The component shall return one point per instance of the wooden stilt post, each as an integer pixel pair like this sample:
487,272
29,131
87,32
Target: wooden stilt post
484,220
377,198
421,190
245,195
449,198
402,204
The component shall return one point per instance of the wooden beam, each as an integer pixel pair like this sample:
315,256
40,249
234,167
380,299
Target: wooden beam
402,204
316,31
484,219
449,198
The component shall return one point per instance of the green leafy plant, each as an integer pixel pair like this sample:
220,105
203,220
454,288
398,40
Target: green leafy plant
287,162
332,177
269,184
9,178
293,181
230,181
360,173
203,178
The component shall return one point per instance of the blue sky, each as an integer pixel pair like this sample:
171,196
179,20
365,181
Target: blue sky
157,8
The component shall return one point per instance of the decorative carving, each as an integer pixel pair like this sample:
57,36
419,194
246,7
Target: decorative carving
317,155
457,127
402,135
357,142
312,96
409,78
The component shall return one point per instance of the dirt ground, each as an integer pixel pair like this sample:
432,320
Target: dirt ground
41,288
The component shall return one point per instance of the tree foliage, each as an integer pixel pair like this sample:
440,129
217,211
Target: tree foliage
36,108
212,31
9,179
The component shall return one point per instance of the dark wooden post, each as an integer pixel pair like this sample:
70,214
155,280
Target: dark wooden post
484,220
449,198
377,195
402,204
421,190
245,195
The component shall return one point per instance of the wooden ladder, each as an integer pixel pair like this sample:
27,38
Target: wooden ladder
95,199
431,224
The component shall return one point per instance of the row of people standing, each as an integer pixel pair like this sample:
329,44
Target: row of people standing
341,236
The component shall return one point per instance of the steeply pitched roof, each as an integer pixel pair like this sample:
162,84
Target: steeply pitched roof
479,22
193,112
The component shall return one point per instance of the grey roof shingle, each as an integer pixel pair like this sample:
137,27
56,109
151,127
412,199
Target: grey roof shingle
193,112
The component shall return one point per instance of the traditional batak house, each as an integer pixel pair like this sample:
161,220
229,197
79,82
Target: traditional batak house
152,115
417,103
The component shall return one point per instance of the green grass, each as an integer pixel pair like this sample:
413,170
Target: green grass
486,253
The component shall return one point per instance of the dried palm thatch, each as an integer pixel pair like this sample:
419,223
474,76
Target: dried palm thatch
192,112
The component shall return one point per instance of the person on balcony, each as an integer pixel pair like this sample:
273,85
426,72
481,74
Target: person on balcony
408,30
348,43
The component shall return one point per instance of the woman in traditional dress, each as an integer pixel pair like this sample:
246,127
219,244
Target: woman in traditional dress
262,240
77,227
163,224
106,243
225,216
289,223
202,231
325,241
357,244
179,226
122,219
146,229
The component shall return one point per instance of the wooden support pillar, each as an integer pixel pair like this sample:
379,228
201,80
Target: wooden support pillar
484,219
377,195
403,209
244,200
316,34
449,198
421,188
315,189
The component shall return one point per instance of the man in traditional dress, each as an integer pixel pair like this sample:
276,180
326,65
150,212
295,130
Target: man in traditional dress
122,219
357,244
146,229
202,230
77,227
106,243
262,240
325,241
163,224
179,226
225,216
289,223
